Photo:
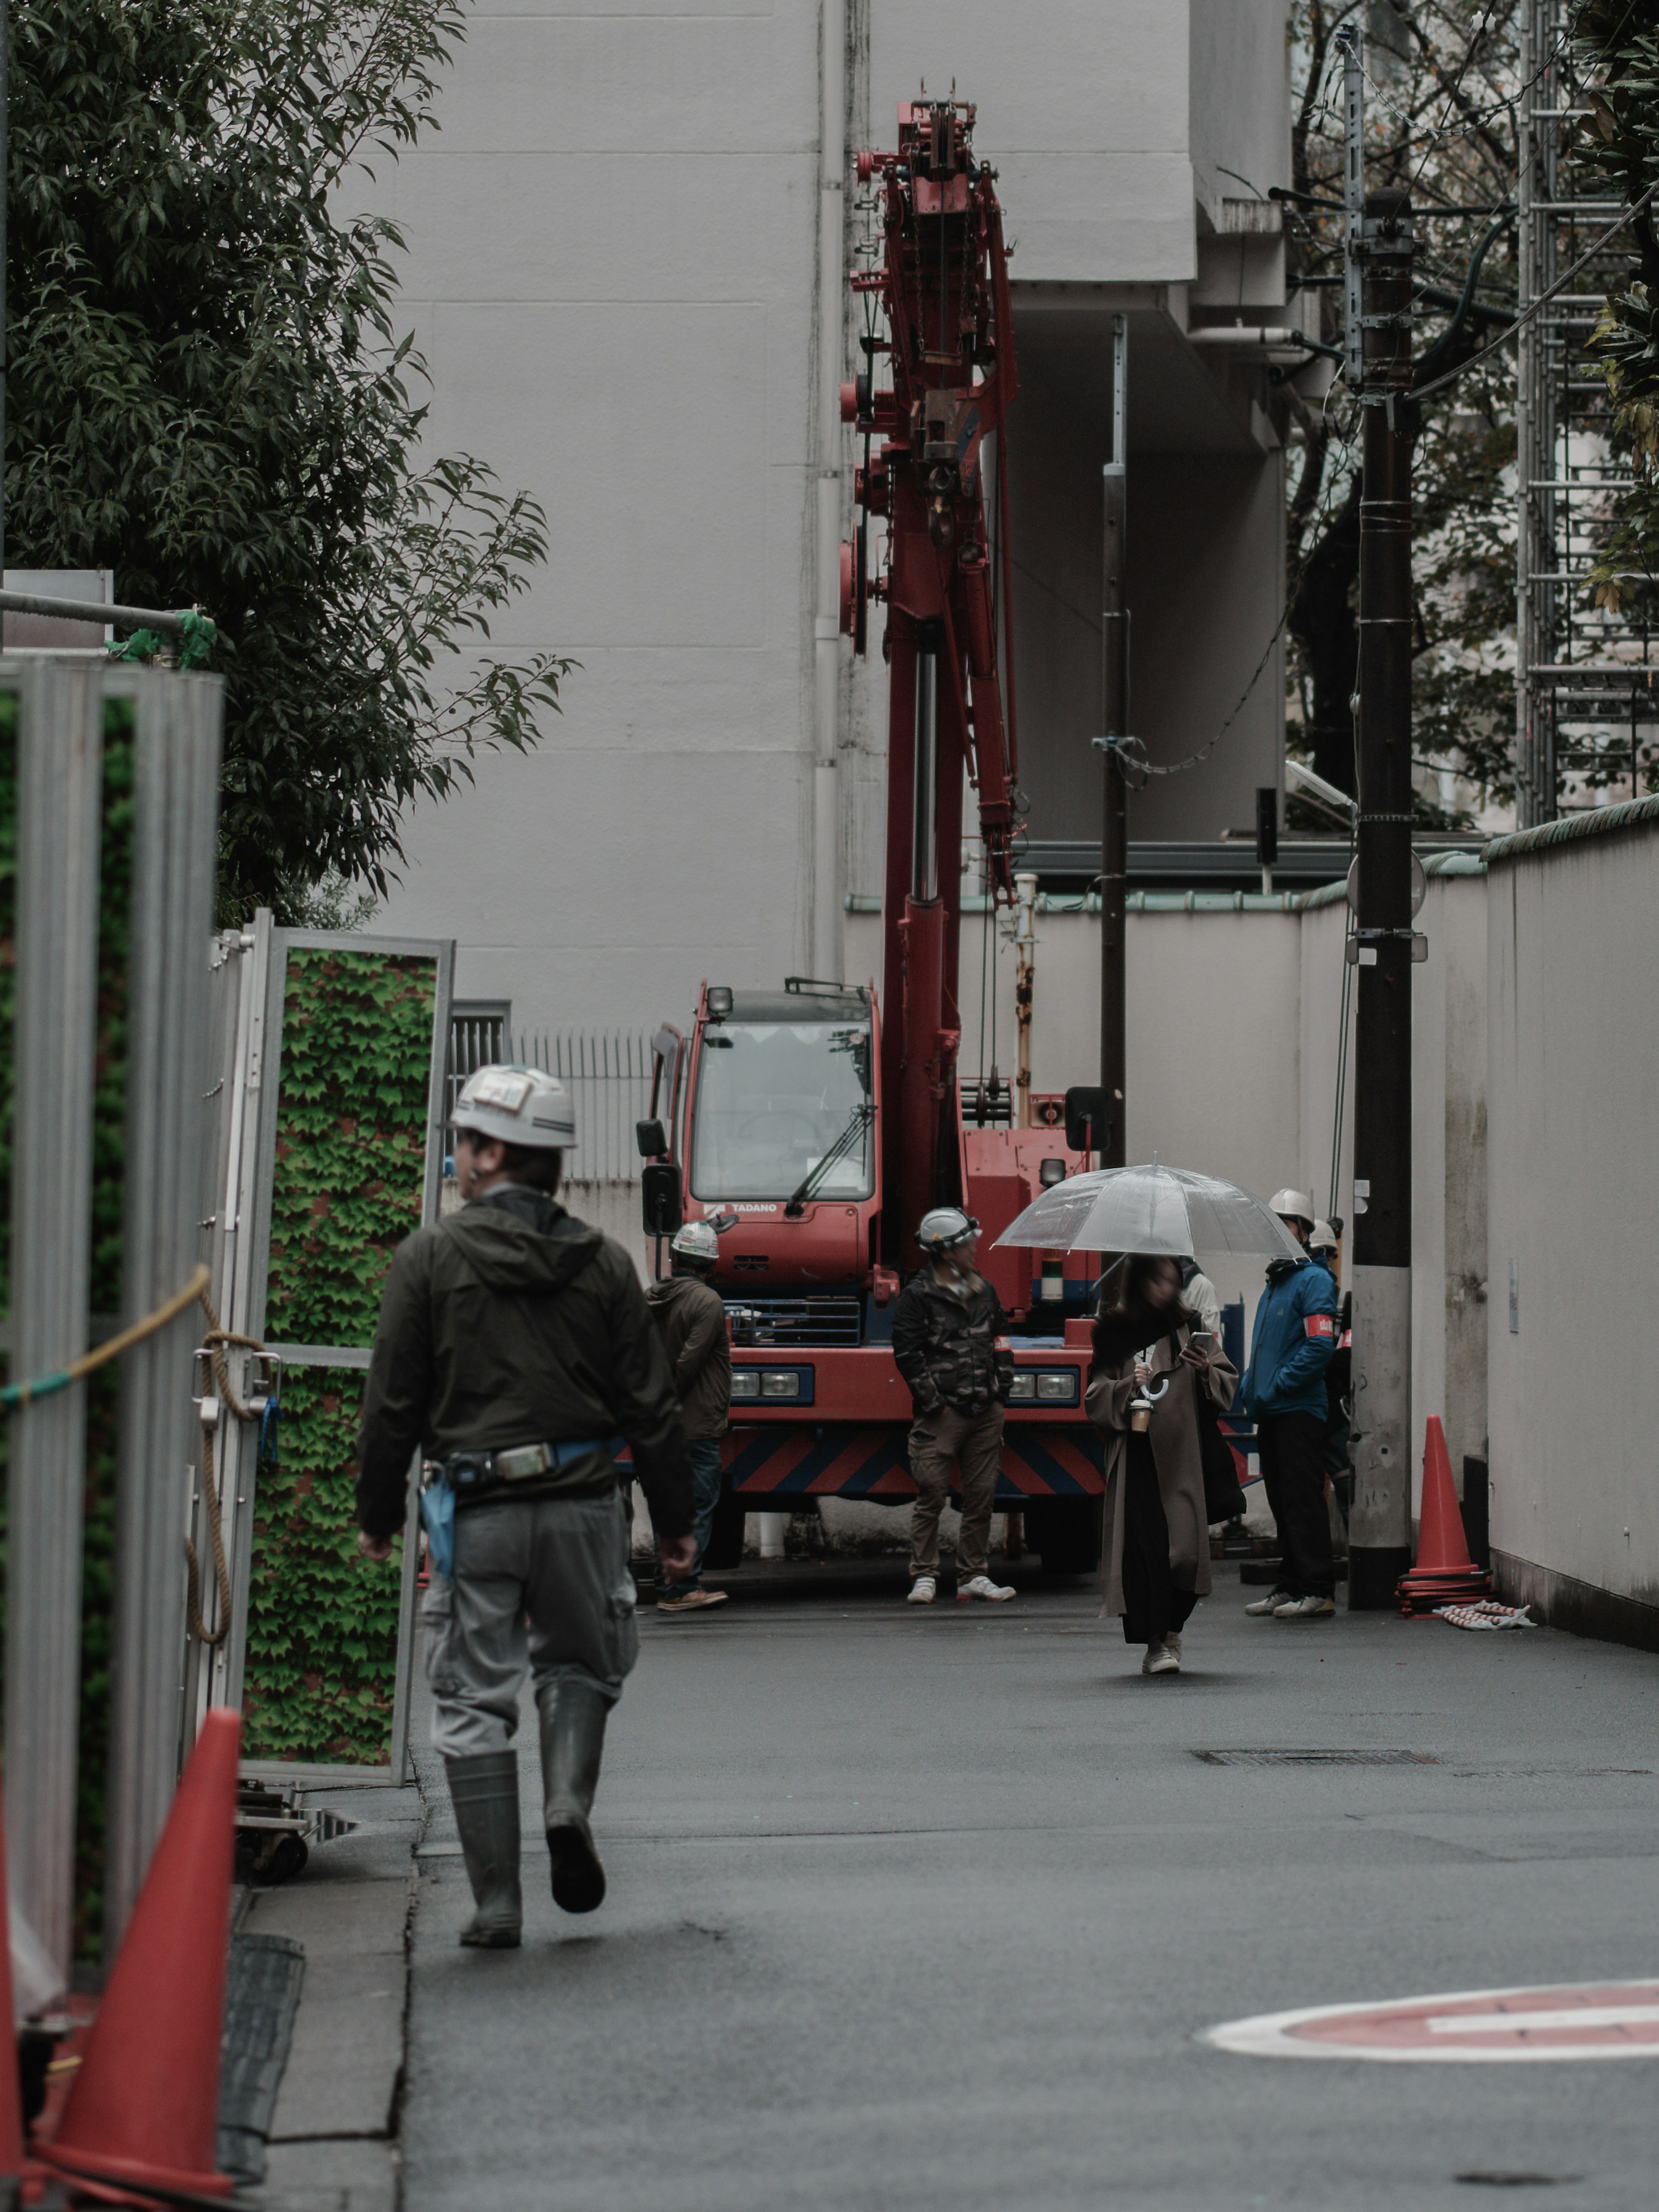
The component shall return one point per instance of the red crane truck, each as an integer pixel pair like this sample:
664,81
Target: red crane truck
828,1118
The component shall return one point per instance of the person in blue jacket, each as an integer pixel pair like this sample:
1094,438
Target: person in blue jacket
1283,1389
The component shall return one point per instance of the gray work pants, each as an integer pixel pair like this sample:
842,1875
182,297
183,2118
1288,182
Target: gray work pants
938,1441
540,1587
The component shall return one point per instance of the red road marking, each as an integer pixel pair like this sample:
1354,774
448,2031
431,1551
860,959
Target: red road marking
1574,2020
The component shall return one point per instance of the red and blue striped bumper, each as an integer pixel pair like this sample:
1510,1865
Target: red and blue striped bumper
841,1460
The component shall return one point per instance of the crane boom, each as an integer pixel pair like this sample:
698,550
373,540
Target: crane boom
942,286
819,1122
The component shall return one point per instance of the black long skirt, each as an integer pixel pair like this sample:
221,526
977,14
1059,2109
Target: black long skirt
1153,1607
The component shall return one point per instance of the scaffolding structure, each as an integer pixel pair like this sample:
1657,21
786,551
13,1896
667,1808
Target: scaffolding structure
1585,704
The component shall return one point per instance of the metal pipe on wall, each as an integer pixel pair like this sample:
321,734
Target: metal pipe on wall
826,918
169,1163
1115,710
60,792
1025,891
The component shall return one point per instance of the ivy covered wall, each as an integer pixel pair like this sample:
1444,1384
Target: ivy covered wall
355,1071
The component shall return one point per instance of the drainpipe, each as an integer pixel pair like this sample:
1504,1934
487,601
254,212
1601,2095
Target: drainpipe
1025,892
826,702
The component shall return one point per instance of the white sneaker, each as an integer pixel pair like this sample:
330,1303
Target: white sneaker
1305,1608
982,1586
923,1590
1172,1644
1161,1659
1263,1606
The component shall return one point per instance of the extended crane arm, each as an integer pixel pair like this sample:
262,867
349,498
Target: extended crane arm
943,288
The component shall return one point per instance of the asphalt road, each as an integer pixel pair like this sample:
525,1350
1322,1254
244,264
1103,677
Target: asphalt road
926,1908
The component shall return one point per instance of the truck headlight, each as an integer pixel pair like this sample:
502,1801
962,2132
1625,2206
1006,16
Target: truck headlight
779,1383
1023,1387
1058,1386
745,1382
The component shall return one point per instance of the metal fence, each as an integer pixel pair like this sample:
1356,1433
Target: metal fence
609,1073
477,1036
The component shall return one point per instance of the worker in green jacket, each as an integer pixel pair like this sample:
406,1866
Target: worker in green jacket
515,1352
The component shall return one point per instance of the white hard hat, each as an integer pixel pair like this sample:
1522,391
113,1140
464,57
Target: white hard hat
1296,1202
697,1240
520,1105
1324,1238
945,1228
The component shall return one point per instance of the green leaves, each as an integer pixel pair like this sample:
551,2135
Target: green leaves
322,1639
208,394
356,1065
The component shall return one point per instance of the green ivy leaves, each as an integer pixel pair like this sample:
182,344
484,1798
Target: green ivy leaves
356,1066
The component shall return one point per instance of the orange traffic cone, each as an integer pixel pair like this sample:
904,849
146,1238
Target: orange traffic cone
145,2104
1444,1573
11,2098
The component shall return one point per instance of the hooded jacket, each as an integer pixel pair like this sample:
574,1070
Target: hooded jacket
512,1322
691,1315
946,1347
1291,1344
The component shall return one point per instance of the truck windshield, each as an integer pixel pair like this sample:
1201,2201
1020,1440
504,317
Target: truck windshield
773,1099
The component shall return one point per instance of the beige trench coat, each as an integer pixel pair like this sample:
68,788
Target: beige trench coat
1173,1438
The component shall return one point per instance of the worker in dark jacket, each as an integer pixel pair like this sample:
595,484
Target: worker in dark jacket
1284,1388
948,1343
692,1315
513,1345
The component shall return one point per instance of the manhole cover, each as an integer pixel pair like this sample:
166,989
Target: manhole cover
1572,2019
1318,1758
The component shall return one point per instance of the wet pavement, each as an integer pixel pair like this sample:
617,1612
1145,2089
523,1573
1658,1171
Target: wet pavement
927,1907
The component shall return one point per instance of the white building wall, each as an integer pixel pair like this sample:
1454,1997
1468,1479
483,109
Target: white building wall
612,275
1573,1075
1236,1019
1083,109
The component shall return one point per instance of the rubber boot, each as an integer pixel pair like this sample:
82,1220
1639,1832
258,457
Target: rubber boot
573,1713
485,1791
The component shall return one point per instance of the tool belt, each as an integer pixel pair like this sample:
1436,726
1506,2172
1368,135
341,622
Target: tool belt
468,1470
469,1473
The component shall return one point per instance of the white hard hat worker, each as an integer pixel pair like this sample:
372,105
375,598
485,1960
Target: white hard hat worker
1323,1238
517,1119
696,1245
1295,1208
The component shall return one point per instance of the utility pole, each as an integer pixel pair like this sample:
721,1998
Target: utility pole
5,179
1114,707
1380,246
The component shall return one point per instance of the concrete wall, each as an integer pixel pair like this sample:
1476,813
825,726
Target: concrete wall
1235,1023
1573,1076
612,261
1083,109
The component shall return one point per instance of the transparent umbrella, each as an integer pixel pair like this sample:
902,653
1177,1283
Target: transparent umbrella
1151,1209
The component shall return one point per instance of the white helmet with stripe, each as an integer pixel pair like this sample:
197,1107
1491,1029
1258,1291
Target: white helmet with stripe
945,1229
696,1242
520,1105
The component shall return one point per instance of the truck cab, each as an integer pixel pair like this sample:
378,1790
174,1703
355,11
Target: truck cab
768,1122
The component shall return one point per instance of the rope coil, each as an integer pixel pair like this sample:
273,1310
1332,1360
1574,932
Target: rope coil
15,1395
213,1344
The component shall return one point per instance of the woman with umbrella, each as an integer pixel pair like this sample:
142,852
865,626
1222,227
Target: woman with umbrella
1148,1373
1143,1396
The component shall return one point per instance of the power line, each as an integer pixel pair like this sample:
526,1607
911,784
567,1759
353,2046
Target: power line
1439,383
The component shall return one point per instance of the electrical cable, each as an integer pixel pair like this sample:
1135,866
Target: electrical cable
1629,215
1457,82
